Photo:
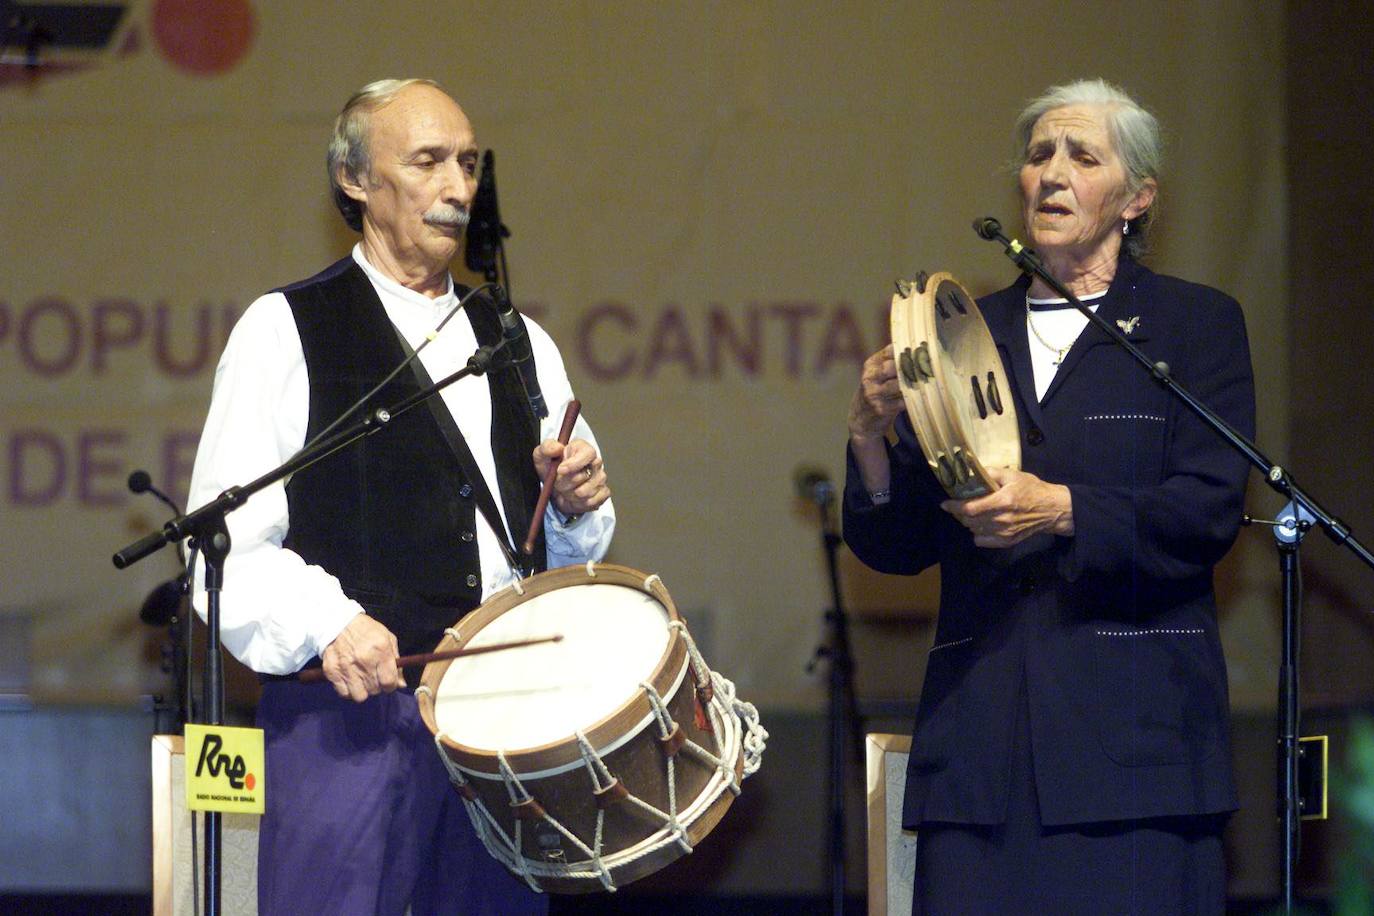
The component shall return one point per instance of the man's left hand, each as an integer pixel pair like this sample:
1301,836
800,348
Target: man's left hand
580,485
1024,505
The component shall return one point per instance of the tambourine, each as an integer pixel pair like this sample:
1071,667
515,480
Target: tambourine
956,390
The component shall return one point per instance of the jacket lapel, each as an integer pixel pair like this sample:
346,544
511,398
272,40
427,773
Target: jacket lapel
1006,320
1121,308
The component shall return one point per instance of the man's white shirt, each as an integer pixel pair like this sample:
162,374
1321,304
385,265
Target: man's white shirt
276,611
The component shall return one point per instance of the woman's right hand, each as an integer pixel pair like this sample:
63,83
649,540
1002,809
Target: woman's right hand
878,400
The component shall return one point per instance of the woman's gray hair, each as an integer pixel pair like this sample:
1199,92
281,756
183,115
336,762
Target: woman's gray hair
1133,130
348,147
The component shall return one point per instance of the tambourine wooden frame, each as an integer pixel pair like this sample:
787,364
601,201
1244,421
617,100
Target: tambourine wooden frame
939,337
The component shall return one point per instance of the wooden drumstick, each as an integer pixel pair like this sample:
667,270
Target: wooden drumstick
564,434
314,675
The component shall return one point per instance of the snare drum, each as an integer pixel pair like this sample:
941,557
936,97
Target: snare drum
956,390
593,761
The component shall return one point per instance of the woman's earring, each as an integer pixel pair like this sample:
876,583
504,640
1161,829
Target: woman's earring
1125,227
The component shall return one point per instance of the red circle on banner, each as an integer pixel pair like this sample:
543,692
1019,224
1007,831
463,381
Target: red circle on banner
204,37
249,782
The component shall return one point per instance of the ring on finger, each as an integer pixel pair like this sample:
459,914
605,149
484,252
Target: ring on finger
588,472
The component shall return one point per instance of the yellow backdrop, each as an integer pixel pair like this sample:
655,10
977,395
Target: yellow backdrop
709,203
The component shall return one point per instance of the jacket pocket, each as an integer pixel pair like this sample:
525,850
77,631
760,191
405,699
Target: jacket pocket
938,721
1124,449
1160,694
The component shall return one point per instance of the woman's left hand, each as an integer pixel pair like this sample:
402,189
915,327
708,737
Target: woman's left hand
1024,505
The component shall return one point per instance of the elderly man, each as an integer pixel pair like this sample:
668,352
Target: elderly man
369,554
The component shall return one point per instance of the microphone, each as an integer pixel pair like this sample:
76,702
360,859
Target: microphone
485,232
987,228
1024,257
140,481
164,602
813,485
521,355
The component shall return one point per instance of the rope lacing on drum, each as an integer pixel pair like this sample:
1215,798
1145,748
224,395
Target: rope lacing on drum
601,779
516,790
518,795
666,725
728,715
698,663
484,825
755,738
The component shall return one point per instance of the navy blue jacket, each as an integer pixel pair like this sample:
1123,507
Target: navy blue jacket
1112,633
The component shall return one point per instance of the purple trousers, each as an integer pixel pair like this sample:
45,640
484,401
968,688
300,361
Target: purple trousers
361,818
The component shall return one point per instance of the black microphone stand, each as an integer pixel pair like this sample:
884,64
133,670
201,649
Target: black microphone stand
486,234
207,527
842,711
165,606
1301,513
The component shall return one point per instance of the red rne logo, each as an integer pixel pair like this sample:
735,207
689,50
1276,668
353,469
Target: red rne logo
200,37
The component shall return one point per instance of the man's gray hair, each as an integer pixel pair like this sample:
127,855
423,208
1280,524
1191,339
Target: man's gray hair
1133,130
348,147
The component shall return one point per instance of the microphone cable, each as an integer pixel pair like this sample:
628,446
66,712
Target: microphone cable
399,369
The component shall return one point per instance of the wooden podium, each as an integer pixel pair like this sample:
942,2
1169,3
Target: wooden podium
891,850
176,876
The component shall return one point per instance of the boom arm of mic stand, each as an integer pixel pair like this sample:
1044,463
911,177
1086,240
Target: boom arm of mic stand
1277,478
207,526
202,521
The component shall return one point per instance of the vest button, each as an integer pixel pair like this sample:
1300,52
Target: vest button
1034,436
472,581
465,490
467,537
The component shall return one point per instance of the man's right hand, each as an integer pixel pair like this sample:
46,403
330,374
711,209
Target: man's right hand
361,661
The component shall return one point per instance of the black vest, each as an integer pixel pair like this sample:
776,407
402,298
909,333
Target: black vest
393,515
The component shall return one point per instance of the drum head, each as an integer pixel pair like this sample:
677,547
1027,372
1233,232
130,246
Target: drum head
956,390
614,637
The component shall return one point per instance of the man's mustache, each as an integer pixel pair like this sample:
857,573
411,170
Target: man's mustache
447,216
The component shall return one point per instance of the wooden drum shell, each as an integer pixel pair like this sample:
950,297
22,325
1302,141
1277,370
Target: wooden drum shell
626,739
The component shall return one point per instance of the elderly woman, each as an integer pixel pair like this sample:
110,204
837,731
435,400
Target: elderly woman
1071,751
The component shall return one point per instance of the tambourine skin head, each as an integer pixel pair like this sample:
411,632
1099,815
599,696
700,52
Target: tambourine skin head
956,390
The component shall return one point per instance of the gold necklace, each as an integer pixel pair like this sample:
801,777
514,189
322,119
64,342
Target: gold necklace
1059,352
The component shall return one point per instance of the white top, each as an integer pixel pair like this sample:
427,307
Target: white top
276,611
1058,323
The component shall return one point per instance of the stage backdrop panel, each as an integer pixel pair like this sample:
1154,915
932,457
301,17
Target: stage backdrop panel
709,203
